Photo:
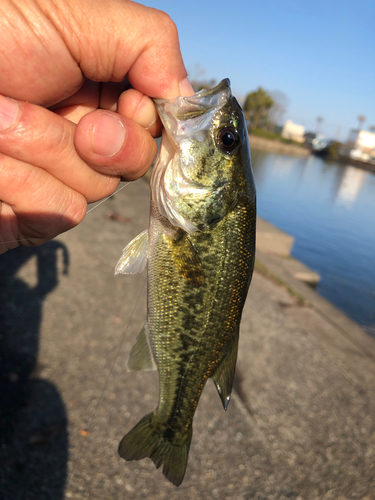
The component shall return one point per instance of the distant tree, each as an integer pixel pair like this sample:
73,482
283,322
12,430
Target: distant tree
198,80
319,121
203,84
278,109
361,119
257,106
372,128
333,151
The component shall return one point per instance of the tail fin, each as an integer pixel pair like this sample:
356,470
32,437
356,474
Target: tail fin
147,440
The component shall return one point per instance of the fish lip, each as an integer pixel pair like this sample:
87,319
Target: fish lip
224,84
181,109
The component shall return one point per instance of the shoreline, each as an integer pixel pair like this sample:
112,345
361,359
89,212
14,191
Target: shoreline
274,146
348,161
277,147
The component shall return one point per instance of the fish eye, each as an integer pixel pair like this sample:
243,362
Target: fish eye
228,139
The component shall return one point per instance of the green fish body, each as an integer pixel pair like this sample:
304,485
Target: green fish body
200,249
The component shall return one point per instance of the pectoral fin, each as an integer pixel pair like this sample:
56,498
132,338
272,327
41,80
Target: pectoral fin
186,258
224,375
134,256
140,357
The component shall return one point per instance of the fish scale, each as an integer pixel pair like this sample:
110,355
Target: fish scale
199,249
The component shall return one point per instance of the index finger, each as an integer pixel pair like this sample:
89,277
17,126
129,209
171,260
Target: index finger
158,69
126,39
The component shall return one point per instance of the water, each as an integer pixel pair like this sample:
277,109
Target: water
329,208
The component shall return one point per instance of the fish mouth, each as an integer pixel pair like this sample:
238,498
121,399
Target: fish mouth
185,120
186,108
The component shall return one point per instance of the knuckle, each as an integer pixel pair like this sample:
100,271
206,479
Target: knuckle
75,210
107,184
167,26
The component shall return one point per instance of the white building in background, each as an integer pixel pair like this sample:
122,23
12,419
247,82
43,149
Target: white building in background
361,139
360,145
293,131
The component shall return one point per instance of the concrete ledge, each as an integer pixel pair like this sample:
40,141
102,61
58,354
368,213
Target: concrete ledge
270,239
301,272
345,326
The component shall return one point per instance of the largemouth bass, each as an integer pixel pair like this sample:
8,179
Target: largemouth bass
200,248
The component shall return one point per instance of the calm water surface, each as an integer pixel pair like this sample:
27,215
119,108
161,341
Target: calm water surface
329,208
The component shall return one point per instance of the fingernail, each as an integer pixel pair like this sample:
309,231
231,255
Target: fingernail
145,114
108,136
151,124
8,112
186,89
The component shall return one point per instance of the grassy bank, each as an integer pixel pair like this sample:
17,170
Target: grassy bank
276,146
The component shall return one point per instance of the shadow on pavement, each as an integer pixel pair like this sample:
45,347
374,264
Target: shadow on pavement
33,423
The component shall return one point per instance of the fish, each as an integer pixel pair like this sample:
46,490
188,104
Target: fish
199,250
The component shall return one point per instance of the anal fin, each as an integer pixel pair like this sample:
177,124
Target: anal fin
140,357
224,374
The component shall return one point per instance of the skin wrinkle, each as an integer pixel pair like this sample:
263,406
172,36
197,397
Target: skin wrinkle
63,138
9,24
40,27
75,210
6,216
164,78
16,24
37,179
10,177
108,183
88,49
67,33
114,59
73,213
142,104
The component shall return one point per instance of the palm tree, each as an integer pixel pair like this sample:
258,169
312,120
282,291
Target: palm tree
319,120
361,119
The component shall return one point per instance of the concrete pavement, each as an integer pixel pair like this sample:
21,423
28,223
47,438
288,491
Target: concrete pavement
300,424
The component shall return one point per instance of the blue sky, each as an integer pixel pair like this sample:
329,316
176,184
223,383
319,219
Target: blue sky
320,54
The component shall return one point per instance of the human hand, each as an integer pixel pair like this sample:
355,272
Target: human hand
50,167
